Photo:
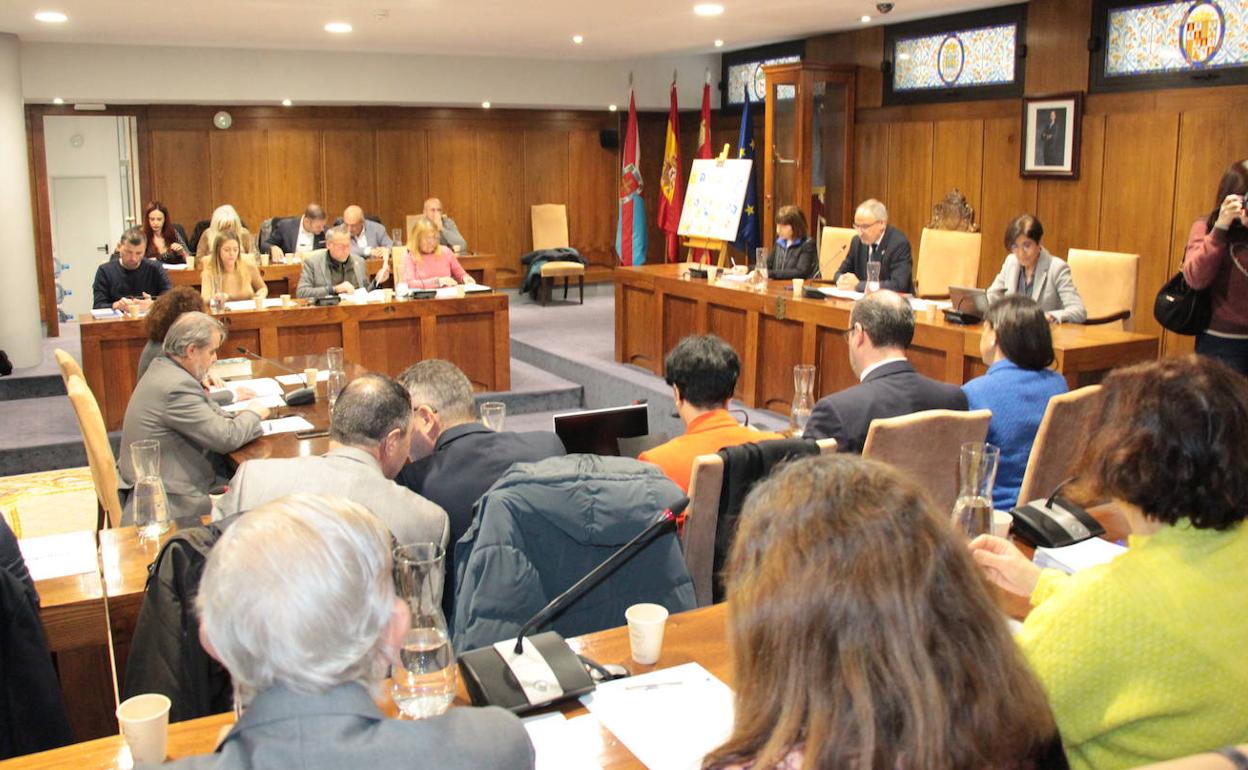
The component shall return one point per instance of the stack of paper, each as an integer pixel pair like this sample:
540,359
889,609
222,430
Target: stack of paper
270,401
832,291
250,304
284,425
264,386
1072,558
105,312
322,375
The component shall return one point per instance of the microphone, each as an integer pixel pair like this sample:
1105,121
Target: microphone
819,267
297,397
524,677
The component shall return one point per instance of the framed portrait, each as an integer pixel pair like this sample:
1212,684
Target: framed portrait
1050,146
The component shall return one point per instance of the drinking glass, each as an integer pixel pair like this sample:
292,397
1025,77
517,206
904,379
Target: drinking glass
333,359
873,276
333,387
151,507
803,398
494,414
423,683
760,258
977,470
396,236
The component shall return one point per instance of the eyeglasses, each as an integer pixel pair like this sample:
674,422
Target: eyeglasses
850,330
866,227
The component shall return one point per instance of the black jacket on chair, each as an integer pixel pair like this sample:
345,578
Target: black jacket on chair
285,234
799,260
893,253
32,714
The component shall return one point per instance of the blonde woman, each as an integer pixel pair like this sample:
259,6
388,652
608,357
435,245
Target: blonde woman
225,219
227,273
428,264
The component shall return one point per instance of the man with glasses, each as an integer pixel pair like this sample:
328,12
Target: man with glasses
876,241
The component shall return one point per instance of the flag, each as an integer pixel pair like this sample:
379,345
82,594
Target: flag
671,196
630,231
747,232
704,147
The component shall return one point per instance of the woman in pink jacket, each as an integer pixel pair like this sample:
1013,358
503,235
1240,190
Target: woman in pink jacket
427,264
1217,259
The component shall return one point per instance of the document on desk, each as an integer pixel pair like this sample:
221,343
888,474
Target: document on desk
250,304
262,386
560,743
53,556
270,402
105,312
638,710
284,425
1080,556
832,291
322,375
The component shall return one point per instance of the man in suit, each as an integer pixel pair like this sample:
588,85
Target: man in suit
881,326
876,241
337,270
368,238
130,281
171,406
456,458
370,437
448,231
297,235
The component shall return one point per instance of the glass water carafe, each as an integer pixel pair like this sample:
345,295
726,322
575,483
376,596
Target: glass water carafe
977,470
803,398
424,677
151,507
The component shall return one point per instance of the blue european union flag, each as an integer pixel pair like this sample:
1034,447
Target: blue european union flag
747,232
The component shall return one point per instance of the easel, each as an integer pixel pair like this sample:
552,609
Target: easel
698,242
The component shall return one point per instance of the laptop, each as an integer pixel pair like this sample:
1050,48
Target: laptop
598,431
970,305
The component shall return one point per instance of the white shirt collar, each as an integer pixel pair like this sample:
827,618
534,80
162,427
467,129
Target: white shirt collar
877,365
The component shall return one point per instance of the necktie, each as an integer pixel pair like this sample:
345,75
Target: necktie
871,253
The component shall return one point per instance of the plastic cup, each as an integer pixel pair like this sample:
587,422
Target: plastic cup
711,271
798,283
645,631
286,300
259,303
264,258
929,312
1001,521
309,377
387,295
190,261
145,724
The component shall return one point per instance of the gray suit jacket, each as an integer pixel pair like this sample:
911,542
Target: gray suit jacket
344,728
170,406
1052,288
346,471
451,236
314,277
376,235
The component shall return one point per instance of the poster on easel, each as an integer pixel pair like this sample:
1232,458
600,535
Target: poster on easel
714,198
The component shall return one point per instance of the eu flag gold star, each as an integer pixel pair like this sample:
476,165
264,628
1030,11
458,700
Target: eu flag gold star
749,211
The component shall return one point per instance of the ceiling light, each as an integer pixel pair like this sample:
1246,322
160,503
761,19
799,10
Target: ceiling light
865,19
719,44
485,105
338,27
58,100
612,108
578,39
286,102
51,17
708,9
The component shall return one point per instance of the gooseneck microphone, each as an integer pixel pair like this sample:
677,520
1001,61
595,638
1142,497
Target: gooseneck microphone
297,397
268,361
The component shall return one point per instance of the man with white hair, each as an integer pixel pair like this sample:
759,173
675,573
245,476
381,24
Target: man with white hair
311,643
876,241
171,406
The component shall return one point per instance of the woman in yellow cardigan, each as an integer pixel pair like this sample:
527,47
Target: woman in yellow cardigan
1146,658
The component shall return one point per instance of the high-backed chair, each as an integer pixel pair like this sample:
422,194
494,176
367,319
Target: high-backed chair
550,231
926,445
100,456
68,366
833,245
1065,421
1106,282
946,258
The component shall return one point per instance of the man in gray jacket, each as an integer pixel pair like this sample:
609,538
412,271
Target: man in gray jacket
337,270
171,406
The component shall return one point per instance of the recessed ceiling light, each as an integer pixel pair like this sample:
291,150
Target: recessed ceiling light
578,39
286,102
51,17
612,108
58,100
708,9
719,44
865,19
485,105
338,27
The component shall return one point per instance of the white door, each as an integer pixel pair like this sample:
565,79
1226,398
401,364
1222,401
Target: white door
81,235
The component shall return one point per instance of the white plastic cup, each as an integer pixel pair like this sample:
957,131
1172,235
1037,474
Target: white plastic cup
264,258
190,261
711,270
286,300
1001,522
645,631
387,295
144,722
930,312
309,377
798,283
259,303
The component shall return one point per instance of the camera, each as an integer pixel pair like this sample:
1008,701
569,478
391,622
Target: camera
883,7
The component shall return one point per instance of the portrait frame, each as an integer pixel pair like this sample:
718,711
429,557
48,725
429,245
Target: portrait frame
1051,131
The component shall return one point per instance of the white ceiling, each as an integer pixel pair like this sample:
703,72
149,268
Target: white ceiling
536,29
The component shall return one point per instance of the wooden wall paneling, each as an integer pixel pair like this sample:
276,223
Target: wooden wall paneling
1137,211
296,172
730,325
909,176
182,176
402,175
592,181
863,47
870,162
350,171
1057,54
1005,193
1068,209
503,225
452,179
957,162
240,174
545,174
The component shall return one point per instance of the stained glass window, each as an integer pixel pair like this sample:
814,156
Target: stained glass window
747,78
1174,37
970,57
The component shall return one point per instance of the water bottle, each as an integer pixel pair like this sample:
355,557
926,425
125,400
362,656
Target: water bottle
334,384
803,398
977,470
423,683
151,507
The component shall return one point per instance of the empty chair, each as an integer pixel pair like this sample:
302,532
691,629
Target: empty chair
946,258
833,246
926,445
550,231
1064,423
100,456
1106,282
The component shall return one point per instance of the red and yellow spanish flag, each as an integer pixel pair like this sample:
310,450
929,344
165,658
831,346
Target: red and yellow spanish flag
704,147
671,194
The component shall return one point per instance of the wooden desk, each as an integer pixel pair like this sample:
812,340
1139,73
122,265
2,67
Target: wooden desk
472,332
772,332
284,278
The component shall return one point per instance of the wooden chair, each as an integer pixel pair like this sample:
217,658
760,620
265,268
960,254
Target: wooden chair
926,445
702,519
550,231
68,366
1106,282
99,452
833,245
946,258
1065,421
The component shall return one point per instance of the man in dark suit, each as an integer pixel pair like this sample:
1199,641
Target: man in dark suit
876,241
297,235
881,326
457,458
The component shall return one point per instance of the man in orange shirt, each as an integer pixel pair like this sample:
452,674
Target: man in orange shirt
703,371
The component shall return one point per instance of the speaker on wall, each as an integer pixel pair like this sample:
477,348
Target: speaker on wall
609,138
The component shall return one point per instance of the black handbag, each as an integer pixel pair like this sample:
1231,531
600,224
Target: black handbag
1182,309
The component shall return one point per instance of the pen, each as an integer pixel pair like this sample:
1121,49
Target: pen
651,686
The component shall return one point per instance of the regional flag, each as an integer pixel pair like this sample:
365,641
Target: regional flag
747,232
630,230
704,147
671,194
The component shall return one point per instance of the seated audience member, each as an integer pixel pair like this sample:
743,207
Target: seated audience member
310,646
1143,657
130,281
795,254
426,265
225,219
297,235
1216,259
170,405
370,438
1032,271
228,274
167,308
1018,348
881,326
456,458
11,559
337,270
702,371
861,635
368,238
876,241
448,231
164,242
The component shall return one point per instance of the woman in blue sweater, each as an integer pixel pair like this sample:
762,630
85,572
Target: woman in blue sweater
1018,349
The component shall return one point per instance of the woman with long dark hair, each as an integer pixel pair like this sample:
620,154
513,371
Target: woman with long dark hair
1217,259
164,242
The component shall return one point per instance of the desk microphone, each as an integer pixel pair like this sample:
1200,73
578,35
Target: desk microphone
525,677
297,397
819,267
